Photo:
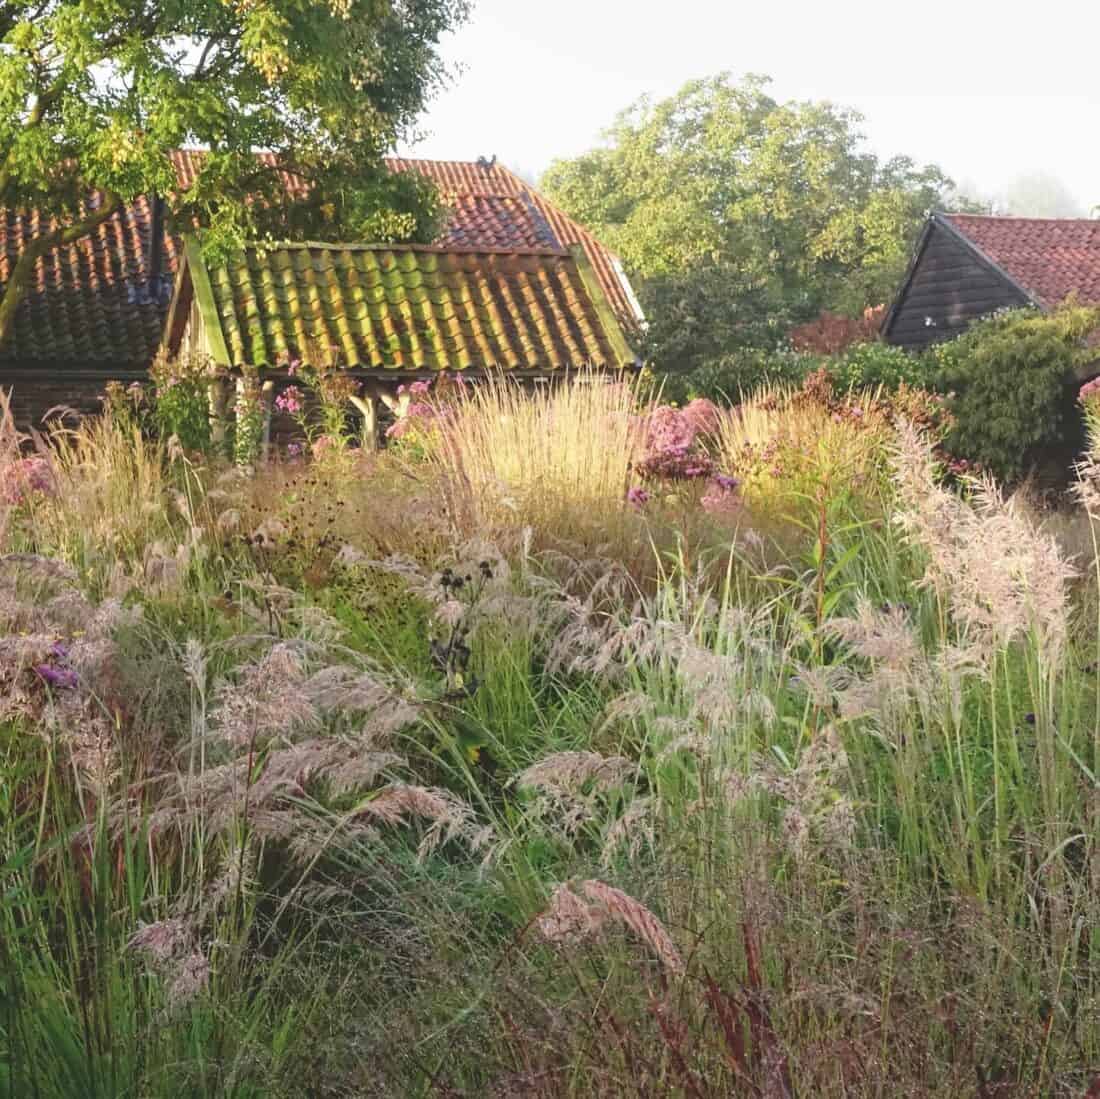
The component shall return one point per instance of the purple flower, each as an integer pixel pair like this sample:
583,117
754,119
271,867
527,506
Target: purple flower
420,389
23,478
294,450
62,678
637,496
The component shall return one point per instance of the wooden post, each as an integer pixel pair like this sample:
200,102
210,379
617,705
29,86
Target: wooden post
218,395
267,400
368,407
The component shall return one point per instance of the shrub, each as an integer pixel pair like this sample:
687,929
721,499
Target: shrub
739,374
878,365
182,401
833,333
858,366
1010,384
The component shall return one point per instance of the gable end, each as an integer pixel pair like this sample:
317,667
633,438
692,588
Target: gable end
950,284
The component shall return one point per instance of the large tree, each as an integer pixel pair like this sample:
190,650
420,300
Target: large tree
739,215
94,95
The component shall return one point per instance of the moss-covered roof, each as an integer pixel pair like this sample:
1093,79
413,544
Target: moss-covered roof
406,307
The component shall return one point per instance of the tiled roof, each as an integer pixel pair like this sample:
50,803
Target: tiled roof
1050,258
491,207
91,303
458,178
405,307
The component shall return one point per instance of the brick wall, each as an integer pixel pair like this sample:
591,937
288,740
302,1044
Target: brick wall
36,391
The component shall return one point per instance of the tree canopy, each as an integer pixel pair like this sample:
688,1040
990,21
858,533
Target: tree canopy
739,215
93,97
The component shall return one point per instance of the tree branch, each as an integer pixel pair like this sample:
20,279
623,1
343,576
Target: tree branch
15,291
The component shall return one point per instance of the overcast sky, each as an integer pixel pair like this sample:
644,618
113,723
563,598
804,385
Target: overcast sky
989,90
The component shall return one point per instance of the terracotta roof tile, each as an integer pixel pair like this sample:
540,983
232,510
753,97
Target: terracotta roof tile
1050,258
94,302
458,178
407,307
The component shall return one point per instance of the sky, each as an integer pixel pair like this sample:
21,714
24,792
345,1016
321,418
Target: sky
990,91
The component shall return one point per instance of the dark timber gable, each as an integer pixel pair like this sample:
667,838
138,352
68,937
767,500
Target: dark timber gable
950,284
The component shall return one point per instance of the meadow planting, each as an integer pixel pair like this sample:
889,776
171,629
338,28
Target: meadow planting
573,744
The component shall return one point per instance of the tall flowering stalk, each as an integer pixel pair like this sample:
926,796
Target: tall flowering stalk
249,420
325,425
1087,490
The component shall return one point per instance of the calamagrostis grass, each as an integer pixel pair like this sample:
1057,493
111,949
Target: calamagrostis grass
508,456
111,486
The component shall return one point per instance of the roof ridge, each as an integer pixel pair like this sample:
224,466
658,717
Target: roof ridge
1021,217
367,246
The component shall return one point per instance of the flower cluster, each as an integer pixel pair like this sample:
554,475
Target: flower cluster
24,478
674,437
1089,394
722,497
674,449
423,405
55,670
291,401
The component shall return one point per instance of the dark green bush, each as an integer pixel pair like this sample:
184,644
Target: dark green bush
861,366
874,365
1010,381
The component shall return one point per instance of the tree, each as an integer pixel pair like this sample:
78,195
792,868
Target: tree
1041,195
739,215
94,96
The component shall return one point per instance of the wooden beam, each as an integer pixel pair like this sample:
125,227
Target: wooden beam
368,407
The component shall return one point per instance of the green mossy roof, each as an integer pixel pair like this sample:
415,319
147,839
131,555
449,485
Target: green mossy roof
408,308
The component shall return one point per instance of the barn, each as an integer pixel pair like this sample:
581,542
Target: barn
98,309
386,314
966,266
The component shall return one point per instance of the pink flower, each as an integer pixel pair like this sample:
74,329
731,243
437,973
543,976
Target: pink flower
420,389
702,415
1089,391
637,496
721,497
291,400
24,478
672,449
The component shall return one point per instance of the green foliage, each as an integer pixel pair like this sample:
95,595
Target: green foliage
93,97
1010,378
739,215
248,421
181,402
747,370
875,365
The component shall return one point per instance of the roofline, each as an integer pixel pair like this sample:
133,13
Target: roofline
910,271
944,219
437,249
612,328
